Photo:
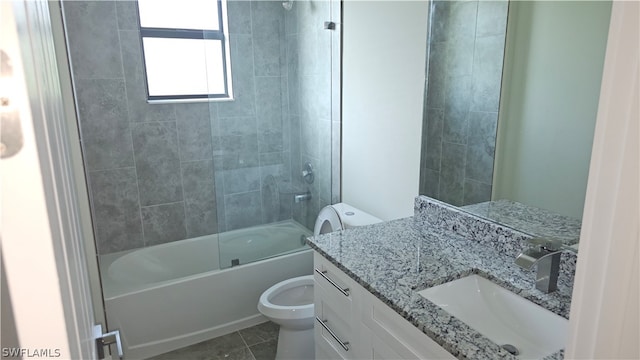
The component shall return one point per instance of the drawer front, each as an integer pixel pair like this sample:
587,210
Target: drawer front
337,286
324,350
333,326
399,334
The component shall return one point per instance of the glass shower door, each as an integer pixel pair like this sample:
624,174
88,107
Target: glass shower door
273,157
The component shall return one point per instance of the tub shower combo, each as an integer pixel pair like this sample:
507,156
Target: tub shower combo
201,204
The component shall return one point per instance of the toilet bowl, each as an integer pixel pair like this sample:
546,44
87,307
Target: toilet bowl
290,303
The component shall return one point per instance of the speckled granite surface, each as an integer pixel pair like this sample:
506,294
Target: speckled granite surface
394,260
431,212
528,219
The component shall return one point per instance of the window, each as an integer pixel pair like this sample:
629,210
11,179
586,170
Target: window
185,49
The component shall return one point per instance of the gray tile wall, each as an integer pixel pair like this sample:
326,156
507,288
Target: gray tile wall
464,74
165,172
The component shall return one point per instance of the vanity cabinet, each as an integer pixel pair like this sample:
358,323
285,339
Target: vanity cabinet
351,323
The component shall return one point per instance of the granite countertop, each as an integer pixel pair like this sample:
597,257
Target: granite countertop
396,259
529,219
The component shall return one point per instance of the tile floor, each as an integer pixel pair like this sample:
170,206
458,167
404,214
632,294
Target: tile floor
255,343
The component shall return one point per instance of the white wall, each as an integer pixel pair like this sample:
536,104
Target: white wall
384,45
553,70
605,310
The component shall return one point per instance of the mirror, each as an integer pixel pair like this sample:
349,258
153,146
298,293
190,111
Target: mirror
511,98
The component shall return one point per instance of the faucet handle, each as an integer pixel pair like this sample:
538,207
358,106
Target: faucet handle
546,244
551,245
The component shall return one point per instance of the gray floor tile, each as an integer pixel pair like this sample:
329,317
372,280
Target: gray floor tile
260,333
229,346
265,350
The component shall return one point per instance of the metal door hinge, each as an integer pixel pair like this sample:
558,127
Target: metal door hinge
106,339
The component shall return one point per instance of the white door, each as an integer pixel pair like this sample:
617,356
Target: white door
47,288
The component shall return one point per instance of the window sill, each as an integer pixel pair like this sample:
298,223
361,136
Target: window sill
187,101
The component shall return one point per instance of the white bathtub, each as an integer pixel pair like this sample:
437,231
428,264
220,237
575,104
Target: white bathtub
172,295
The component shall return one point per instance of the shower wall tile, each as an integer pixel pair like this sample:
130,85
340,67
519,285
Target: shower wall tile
440,24
476,192
323,163
452,173
270,204
436,75
430,183
220,205
463,77
199,198
116,212
105,130
244,145
336,135
274,158
310,137
296,149
435,125
238,126
460,56
241,180
269,107
492,18
239,13
243,79
127,13
94,45
163,223
315,96
284,87
291,21
194,132
269,103
267,18
461,35
139,109
157,162
458,99
481,147
293,78
487,76
286,132
243,210
267,55
461,19
308,51
237,160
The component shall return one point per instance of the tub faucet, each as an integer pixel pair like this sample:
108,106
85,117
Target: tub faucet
302,197
546,254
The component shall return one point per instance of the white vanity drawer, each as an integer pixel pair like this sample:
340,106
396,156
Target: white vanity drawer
335,303
336,285
400,336
333,333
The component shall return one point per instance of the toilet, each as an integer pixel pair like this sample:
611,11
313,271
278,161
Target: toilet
289,303
341,216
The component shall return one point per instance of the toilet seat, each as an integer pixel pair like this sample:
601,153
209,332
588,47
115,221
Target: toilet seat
328,220
269,309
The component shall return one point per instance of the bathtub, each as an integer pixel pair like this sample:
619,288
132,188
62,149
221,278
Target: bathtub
168,296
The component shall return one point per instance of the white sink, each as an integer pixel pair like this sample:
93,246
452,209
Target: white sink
501,316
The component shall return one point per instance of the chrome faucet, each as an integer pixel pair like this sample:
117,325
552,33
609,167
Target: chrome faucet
302,197
546,254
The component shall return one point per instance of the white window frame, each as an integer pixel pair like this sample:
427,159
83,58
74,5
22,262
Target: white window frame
204,34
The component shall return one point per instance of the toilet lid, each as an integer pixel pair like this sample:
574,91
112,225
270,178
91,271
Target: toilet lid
328,220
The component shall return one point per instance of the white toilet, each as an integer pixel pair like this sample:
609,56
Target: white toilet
289,303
